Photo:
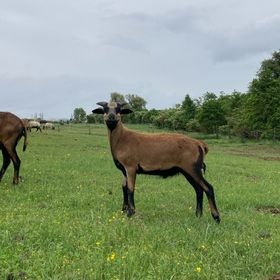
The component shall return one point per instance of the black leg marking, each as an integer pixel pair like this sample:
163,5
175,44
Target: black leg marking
199,201
200,185
131,205
6,161
16,163
199,194
125,199
211,198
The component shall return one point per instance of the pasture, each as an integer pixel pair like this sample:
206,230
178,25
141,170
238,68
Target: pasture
63,221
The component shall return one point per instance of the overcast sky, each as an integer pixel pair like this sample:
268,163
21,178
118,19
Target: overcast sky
57,55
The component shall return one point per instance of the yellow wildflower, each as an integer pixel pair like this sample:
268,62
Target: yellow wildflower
111,257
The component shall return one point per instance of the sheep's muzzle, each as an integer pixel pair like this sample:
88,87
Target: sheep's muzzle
111,121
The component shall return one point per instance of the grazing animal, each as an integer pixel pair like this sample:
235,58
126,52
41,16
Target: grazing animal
163,154
34,124
48,125
12,129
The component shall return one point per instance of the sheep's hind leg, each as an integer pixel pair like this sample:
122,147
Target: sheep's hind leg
16,162
199,201
209,190
200,185
199,194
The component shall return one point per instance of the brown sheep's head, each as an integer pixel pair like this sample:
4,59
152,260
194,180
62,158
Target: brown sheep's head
112,112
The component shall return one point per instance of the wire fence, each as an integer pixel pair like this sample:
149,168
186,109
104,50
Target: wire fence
269,134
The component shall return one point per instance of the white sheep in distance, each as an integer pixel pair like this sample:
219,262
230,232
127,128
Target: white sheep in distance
33,124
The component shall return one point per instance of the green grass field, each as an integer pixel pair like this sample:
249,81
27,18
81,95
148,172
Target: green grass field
63,221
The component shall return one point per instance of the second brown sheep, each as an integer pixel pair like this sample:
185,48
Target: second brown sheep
12,129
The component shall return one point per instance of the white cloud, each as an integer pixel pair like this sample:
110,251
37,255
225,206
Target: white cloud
77,52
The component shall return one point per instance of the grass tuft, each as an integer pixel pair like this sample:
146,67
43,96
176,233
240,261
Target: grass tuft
64,220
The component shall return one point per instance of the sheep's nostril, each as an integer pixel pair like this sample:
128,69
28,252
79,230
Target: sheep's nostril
111,117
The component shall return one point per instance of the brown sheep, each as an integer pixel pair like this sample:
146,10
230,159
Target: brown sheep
163,154
12,129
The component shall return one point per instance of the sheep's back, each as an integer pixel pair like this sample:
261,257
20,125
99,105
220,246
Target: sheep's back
156,151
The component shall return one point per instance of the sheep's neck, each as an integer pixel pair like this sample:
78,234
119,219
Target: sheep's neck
114,137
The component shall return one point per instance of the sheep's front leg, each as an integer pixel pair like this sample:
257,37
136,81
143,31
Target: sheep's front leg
6,162
125,195
131,205
131,176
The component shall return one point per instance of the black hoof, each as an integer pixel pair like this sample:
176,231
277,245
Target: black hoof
124,209
198,214
217,219
130,212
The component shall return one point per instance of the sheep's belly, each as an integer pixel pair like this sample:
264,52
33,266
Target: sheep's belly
160,172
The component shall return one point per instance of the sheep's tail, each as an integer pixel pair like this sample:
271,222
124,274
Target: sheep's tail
205,150
24,133
203,167
204,147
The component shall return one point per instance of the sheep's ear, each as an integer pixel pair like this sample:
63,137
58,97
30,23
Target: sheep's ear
126,111
98,111
102,103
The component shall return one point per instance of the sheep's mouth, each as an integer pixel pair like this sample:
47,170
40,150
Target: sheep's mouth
111,124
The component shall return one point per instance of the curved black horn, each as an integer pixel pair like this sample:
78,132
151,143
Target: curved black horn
102,103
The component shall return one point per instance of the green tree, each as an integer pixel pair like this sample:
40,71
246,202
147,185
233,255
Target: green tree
233,108
136,102
94,118
263,101
150,115
230,102
211,114
117,97
79,115
189,108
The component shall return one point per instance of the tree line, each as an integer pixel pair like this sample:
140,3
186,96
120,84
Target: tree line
254,114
